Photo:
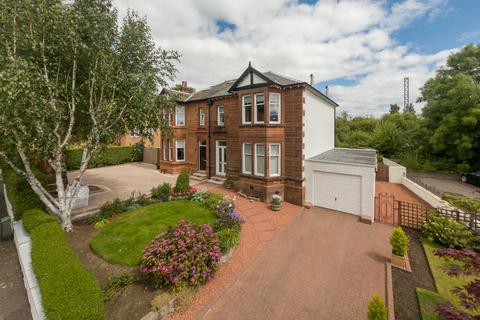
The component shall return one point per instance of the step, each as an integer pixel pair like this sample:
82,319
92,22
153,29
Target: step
198,176
217,180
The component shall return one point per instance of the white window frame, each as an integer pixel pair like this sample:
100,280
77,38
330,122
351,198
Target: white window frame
243,109
170,149
177,113
164,147
244,156
202,116
220,123
255,109
176,149
255,161
134,133
279,160
279,107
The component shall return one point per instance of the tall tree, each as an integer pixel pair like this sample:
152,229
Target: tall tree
452,110
69,74
394,108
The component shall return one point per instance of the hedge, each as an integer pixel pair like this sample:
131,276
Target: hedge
20,193
111,155
68,290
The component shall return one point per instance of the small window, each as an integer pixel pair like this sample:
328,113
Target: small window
170,150
247,109
274,108
221,115
274,159
135,133
259,159
164,149
180,115
180,150
247,158
202,116
259,108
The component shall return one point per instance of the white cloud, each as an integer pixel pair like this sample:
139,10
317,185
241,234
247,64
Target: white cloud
332,39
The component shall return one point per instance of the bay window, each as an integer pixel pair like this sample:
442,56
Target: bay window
274,107
274,159
247,109
247,158
259,159
259,113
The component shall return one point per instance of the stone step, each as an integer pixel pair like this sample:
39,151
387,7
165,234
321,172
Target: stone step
217,180
198,176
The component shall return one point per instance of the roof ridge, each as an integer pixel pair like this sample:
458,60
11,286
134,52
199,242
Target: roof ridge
283,76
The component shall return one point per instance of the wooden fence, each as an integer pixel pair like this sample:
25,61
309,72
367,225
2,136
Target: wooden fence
382,172
151,155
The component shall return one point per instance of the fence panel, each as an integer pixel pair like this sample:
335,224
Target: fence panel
150,155
382,172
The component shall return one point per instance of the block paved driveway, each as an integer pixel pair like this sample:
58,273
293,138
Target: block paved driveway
323,265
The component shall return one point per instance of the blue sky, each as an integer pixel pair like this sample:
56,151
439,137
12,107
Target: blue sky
361,49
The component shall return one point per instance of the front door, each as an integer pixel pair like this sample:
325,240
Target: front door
221,157
202,155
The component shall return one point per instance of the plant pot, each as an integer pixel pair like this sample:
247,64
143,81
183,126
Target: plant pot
276,207
400,262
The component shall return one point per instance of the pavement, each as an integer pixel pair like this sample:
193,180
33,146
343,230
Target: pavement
120,181
323,265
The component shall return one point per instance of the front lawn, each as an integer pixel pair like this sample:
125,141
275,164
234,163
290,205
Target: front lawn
123,240
443,281
428,302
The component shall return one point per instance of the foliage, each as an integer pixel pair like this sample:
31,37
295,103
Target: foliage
71,74
20,193
183,182
68,290
184,195
108,156
429,302
116,284
409,108
229,182
200,197
186,255
466,262
399,242
123,240
229,238
447,231
213,200
276,199
162,192
394,108
137,152
228,219
377,309
467,204
117,206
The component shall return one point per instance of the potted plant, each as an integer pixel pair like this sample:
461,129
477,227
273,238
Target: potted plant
399,242
276,203
229,182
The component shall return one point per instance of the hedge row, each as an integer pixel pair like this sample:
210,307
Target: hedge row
109,156
20,193
68,290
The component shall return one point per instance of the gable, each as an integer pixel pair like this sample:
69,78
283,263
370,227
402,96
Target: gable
251,78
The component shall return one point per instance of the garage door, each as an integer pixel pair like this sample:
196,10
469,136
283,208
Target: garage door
335,191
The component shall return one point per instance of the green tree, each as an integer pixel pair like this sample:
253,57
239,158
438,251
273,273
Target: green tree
388,139
409,108
452,110
394,108
69,74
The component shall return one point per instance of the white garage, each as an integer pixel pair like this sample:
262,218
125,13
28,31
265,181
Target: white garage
343,180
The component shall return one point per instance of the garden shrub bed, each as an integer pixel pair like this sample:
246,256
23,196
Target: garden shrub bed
68,290
111,155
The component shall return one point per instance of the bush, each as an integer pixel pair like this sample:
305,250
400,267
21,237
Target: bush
68,290
112,208
228,219
200,197
213,200
399,242
137,152
186,255
183,182
229,238
111,155
19,192
162,192
377,309
447,231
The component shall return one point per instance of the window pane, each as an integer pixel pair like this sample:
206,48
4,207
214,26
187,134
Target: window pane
274,149
247,148
260,159
180,150
260,107
260,149
248,163
274,165
274,107
247,108
180,115
180,143
260,165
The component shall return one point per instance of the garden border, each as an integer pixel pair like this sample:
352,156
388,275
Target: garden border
389,291
23,244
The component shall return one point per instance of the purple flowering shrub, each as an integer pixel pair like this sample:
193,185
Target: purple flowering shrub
186,255
228,219
467,262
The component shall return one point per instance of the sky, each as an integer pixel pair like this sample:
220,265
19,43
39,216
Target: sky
361,49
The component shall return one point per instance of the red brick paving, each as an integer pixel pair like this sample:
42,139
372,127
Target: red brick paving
399,191
324,265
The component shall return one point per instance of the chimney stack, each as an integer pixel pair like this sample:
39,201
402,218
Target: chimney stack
326,91
184,87
312,82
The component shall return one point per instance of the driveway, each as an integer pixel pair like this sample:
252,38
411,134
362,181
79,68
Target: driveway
120,181
324,265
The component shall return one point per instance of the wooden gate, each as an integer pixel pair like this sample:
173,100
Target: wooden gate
150,155
382,172
386,209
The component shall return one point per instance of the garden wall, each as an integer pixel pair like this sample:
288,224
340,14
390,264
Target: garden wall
395,171
111,155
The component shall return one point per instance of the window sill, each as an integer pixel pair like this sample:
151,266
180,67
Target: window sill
262,125
264,178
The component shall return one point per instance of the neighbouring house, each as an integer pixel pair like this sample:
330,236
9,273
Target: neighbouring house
258,130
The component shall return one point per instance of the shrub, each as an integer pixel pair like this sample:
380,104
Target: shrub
182,195
200,197
108,156
377,309
183,182
399,242
276,199
68,290
111,208
228,219
225,205
447,231
186,255
213,200
229,238
229,182
137,152
19,192
162,192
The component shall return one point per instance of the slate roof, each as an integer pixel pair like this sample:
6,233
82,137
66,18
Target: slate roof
218,90
367,157
179,96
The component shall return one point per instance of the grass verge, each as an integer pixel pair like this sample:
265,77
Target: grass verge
428,302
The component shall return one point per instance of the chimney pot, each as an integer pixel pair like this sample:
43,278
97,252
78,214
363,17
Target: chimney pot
326,91
184,86
312,82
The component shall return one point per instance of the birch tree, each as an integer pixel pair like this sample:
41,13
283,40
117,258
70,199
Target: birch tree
70,74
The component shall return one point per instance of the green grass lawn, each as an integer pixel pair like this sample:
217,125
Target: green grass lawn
428,302
444,282
123,240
